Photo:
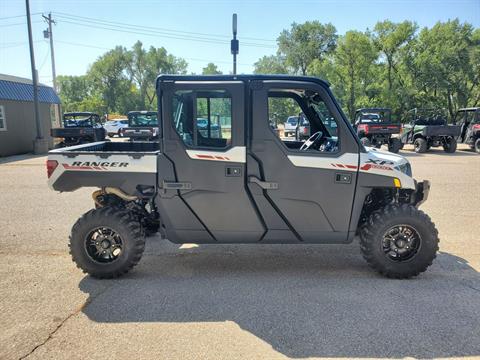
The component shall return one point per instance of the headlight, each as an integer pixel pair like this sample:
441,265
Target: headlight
405,168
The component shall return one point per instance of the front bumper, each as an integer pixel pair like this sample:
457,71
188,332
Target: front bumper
422,189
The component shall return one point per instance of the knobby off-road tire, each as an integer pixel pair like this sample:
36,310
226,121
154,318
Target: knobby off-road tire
394,145
450,146
420,145
365,141
107,242
376,235
477,146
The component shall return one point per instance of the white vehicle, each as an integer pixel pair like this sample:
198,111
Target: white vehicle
290,126
114,127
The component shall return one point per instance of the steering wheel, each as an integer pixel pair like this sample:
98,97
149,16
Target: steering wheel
311,140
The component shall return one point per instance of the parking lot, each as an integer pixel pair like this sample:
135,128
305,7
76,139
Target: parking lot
236,301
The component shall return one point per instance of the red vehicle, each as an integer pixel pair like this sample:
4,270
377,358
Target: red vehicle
374,127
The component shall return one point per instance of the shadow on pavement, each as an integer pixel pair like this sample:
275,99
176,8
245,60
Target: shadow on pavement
305,301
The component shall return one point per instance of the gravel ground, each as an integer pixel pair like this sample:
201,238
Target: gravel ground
235,301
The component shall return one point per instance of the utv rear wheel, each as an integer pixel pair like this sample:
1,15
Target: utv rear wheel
399,241
477,146
450,145
365,141
394,145
107,242
420,145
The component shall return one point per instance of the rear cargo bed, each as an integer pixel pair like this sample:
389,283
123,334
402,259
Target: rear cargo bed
441,130
124,165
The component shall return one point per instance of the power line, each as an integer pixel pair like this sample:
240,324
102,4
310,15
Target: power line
17,16
131,29
173,31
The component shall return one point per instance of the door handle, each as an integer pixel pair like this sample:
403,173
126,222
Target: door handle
343,178
263,184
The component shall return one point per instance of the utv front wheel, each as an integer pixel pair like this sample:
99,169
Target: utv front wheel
107,242
399,241
420,145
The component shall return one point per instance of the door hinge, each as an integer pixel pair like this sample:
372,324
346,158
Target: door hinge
263,184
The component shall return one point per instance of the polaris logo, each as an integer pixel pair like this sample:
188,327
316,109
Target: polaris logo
100,163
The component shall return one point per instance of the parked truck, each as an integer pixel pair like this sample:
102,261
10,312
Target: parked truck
142,125
246,185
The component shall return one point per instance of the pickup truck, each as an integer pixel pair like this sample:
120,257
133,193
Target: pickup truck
142,125
244,184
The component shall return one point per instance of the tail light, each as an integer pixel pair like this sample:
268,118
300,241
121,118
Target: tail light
363,127
51,166
305,131
476,127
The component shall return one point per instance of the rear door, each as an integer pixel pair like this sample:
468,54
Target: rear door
204,139
302,195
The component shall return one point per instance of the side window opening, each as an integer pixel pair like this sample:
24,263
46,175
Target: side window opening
306,121
203,118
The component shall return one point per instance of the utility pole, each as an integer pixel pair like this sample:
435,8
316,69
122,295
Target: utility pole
234,43
48,34
40,145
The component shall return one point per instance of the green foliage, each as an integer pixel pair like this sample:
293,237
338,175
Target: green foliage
119,81
211,69
273,64
305,42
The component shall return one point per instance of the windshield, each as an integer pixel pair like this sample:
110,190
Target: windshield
292,120
77,121
143,119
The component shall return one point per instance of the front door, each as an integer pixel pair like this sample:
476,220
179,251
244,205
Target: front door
304,189
204,139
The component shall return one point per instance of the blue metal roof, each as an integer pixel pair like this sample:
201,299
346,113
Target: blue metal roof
10,90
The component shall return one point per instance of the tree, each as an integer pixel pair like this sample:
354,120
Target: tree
305,42
273,64
353,65
389,38
444,65
211,69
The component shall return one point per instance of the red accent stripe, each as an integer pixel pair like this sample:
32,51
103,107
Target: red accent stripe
351,166
69,167
340,166
205,156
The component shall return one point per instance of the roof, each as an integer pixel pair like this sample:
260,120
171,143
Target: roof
373,109
167,77
142,112
82,113
21,89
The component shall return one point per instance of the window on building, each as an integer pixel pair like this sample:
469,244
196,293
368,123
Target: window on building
3,120
212,111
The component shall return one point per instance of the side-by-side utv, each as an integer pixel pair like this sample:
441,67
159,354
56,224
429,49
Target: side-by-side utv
426,128
375,127
469,121
79,128
142,125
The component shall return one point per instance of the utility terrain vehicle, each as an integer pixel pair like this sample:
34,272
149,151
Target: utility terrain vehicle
469,121
428,128
142,125
79,128
245,185
375,127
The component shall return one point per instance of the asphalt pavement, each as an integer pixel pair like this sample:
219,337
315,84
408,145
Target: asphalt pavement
236,301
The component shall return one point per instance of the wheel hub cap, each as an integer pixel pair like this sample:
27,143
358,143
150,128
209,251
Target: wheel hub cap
401,242
103,245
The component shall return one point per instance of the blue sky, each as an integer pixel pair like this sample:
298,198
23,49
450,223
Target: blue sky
183,22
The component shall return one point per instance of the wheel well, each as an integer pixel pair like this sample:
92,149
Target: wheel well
381,197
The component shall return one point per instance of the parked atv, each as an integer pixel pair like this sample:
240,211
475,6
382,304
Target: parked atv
374,127
79,128
142,125
428,128
469,121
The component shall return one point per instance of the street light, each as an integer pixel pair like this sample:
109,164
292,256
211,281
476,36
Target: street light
234,43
